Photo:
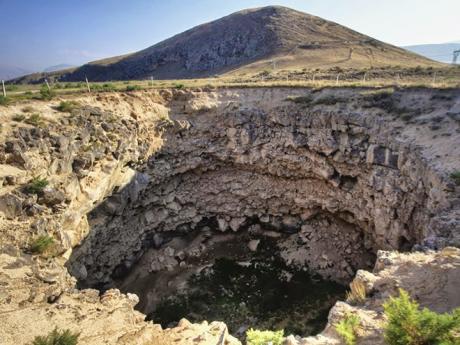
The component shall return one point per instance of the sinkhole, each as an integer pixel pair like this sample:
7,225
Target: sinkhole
257,215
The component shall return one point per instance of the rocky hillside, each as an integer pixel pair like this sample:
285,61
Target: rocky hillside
88,193
249,40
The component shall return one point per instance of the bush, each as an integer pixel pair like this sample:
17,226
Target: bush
41,244
56,337
179,86
34,120
257,337
348,328
409,325
133,88
46,94
456,177
357,293
67,106
18,118
4,100
36,186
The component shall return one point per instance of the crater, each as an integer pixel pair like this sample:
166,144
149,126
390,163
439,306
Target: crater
258,211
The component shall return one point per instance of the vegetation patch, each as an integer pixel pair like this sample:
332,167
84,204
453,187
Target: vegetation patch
357,293
257,337
67,106
18,117
133,88
4,100
348,328
28,109
36,185
46,94
41,244
258,292
456,177
34,120
409,325
57,337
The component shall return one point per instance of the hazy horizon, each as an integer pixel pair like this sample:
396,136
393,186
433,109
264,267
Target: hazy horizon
51,32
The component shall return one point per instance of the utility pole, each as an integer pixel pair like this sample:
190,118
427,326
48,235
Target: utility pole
337,81
87,84
3,87
434,77
456,55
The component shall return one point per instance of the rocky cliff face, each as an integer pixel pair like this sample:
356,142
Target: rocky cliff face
338,174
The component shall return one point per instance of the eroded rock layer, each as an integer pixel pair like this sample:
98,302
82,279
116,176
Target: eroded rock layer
289,163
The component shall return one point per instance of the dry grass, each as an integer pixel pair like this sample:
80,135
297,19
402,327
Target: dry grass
448,77
357,293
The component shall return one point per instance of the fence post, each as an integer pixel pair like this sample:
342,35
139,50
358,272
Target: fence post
337,81
434,77
47,85
3,87
151,80
87,84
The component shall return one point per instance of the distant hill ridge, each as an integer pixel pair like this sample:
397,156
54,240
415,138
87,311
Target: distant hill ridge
248,41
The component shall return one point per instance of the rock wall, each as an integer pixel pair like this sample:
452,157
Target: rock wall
246,157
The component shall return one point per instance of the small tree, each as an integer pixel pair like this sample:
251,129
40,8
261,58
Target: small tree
46,93
409,325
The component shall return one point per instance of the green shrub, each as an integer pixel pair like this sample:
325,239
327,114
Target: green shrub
179,86
11,87
4,100
257,337
348,328
18,118
56,337
46,94
67,106
133,88
41,244
36,186
456,177
409,325
34,120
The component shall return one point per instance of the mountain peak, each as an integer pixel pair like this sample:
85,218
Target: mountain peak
248,41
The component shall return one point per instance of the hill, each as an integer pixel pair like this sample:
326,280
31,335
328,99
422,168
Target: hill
438,52
57,67
247,41
9,72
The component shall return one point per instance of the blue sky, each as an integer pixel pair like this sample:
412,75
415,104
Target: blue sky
40,33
